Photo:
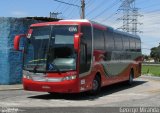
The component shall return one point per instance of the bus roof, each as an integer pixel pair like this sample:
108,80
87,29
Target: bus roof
81,21
78,21
116,31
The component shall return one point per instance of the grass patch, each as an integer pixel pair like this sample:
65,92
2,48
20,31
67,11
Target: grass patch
151,70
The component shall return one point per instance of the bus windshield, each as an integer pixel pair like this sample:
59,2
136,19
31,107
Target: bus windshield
50,49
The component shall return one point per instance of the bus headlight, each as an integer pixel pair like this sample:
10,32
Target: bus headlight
26,75
70,77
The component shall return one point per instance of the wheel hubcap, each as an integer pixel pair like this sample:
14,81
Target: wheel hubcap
95,85
131,78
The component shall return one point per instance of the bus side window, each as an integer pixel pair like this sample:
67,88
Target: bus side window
99,39
138,45
109,45
132,44
118,42
126,43
109,41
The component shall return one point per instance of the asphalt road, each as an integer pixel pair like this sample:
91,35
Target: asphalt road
145,92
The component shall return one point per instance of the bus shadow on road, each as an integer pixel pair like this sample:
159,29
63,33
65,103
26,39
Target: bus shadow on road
111,89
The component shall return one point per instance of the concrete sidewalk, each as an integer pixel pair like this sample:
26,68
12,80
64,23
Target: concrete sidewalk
156,78
11,87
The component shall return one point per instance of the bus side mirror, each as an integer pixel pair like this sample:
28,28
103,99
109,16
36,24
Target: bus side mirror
17,41
77,41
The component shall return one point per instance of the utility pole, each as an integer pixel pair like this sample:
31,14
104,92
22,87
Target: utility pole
82,9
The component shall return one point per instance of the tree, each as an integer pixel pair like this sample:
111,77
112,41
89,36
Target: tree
155,53
146,57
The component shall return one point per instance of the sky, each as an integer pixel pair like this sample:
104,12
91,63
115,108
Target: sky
102,11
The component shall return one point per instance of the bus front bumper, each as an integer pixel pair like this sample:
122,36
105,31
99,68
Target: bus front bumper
70,86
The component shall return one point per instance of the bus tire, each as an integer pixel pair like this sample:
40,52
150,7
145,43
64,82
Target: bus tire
131,77
96,85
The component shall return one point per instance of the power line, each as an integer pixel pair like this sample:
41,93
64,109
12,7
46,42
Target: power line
82,7
89,1
66,8
73,12
109,16
67,3
116,2
90,12
58,7
89,7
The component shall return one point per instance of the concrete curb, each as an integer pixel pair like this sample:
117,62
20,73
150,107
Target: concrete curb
11,87
151,77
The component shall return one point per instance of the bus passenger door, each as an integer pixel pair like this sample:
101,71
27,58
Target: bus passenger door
85,51
83,56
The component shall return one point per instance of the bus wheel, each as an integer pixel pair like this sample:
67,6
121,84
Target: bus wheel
131,77
96,86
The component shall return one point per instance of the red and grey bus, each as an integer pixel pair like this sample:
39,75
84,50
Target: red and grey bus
73,56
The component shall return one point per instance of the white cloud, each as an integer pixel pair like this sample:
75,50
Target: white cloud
151,30
151,25
19,14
